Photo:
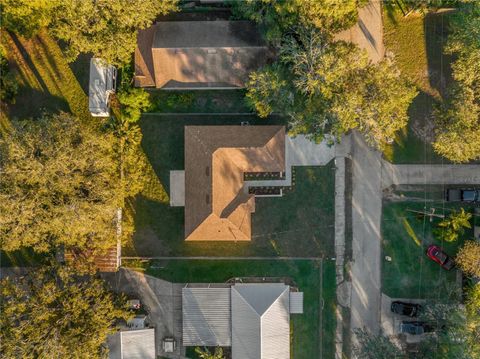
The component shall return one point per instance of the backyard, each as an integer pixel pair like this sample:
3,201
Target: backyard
287,226
313,331
406,235
417,42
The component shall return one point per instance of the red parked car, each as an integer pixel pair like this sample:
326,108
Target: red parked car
439,256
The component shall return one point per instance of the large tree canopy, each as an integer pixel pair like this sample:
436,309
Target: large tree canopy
105,28
59,185
26,17
458,120
53,313
278,16
329,88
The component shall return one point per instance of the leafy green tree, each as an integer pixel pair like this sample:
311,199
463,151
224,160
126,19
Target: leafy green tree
277,17
134,101
52,312
372,346
206,354
450,228
328,88
468,258
106,28
26,17
8,83
59,186
458,120
455,331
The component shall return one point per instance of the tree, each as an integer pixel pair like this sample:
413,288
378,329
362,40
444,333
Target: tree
328,88
106,28
468,258
458,119
26,17
277,17
372,346
52,312
8,83
134,101
453,332
206,354
453,226
59,185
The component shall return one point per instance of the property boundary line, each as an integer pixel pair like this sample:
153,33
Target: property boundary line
225,258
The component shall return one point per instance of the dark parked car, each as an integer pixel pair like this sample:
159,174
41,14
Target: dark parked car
439,256
408,309
462,195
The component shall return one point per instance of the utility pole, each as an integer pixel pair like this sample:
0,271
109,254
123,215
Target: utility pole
430,214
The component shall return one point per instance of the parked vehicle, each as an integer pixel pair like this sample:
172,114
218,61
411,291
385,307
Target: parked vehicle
408,309
462,195
436,254
415,328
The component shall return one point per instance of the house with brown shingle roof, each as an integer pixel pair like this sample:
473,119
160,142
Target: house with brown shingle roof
218,206
198,54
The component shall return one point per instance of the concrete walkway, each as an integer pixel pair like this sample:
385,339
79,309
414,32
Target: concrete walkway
430,174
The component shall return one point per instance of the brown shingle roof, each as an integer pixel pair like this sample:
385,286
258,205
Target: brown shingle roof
198,54
216,205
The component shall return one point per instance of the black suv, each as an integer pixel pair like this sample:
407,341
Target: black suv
408,309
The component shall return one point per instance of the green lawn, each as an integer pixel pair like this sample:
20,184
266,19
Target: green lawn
411,274
298,224
205,101
417,42
308,339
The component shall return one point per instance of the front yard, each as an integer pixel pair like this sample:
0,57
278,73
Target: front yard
299,224
411,274
417,43
314,278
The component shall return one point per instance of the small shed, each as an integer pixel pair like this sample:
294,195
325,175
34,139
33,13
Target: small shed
102,83
132,344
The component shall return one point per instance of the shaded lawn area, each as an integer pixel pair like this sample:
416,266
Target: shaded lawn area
298,224
411,274
417,42
46,81
204,101
307,336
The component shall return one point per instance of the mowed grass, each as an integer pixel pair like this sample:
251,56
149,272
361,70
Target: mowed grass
417,42
299,224
46,81
411,274
309,340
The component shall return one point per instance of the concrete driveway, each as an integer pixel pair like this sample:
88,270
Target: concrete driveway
162,300
390,322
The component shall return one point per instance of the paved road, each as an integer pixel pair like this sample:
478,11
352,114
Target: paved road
368,32
366,216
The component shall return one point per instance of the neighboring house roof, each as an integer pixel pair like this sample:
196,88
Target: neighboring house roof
260,321
198,54
101,84
216,205
132,344
206,316
259,314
